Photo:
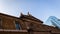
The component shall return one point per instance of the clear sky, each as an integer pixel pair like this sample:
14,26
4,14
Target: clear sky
41,9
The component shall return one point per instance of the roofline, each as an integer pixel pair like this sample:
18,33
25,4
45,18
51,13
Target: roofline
9,15
20,17
31,19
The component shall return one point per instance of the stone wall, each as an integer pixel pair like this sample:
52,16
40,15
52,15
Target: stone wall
28,26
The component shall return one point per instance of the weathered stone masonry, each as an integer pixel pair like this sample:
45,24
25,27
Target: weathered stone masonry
26,24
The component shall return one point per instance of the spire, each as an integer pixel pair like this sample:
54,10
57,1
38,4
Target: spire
21,14
28,14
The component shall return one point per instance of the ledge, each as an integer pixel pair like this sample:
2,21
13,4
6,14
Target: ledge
3,30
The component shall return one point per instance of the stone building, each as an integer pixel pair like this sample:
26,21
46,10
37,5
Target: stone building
25,24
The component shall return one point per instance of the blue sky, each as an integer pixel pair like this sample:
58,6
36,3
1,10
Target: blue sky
41,9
